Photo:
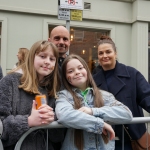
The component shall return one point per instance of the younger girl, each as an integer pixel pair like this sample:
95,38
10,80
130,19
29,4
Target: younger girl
17,93
85,108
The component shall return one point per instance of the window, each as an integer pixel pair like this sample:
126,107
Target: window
84,43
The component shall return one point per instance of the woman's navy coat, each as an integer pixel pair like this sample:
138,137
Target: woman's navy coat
131,88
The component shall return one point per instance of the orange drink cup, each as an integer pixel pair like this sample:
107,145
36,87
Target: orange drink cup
40,99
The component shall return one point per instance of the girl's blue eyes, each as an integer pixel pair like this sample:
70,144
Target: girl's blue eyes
42,56
108,52
70,71
52,59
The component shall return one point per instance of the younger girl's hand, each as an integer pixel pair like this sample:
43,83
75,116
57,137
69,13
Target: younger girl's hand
107,128
86,110
44,115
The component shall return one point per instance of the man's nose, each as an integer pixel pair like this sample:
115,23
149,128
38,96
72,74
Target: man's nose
105,55
47,61
61,40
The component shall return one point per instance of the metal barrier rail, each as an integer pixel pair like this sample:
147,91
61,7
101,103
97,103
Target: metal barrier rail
57,125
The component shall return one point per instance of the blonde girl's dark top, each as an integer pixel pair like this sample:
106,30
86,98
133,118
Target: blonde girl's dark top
15,108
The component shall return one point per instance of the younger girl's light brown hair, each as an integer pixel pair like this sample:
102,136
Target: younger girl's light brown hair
98,101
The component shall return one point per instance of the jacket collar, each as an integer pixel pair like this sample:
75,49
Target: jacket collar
120,71
79,91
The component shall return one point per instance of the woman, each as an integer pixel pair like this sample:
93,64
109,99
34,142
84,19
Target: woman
86,110
128,86
17,105
22,54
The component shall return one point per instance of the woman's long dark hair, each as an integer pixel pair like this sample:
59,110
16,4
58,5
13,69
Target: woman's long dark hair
98,101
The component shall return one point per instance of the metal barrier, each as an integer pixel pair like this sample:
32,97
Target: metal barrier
56,125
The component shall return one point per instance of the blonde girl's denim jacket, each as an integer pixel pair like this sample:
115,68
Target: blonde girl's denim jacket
92,125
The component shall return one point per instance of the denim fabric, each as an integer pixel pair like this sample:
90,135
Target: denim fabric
92,125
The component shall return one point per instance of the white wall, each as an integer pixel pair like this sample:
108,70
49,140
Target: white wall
100,9
38,6
23,30
109,11
28,21
143,10
123,43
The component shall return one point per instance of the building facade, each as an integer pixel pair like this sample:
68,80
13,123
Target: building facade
22,23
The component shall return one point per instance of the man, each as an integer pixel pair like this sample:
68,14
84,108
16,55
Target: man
60,36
